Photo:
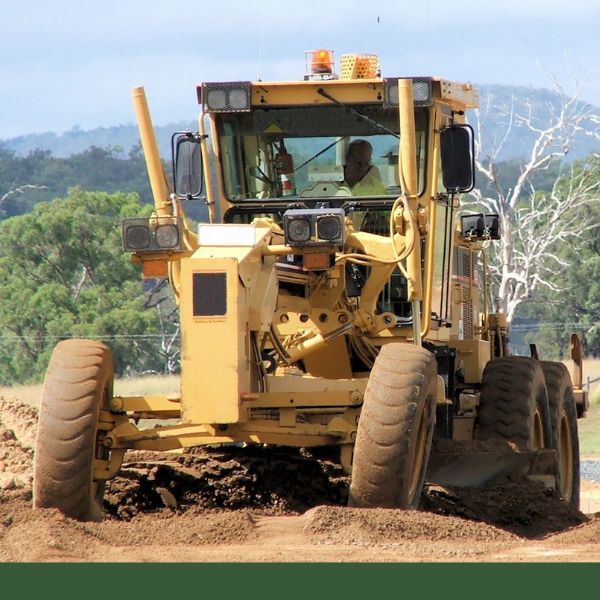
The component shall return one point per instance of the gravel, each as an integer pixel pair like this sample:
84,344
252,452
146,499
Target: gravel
590,470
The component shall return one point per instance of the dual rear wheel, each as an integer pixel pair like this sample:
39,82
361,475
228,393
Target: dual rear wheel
530,403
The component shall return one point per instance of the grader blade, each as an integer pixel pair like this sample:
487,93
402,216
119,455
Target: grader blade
478,469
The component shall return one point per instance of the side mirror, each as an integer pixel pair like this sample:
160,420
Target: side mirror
458,158
187,164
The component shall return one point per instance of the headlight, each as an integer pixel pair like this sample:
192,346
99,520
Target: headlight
314,227
151,235
216,99
238,99
136,237
329,228
167,236
225,97
298,230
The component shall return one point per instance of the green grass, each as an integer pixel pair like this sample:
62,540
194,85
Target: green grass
589,432
589,428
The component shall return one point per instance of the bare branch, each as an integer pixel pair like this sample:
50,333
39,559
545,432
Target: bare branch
535,224
19,190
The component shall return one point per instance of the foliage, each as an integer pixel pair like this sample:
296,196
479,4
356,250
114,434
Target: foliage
571,301
40,176
64,274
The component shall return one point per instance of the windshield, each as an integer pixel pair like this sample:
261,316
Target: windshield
314,152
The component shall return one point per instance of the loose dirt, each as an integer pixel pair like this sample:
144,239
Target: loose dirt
257,504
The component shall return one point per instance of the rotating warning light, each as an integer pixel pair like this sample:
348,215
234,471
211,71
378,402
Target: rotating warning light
319,63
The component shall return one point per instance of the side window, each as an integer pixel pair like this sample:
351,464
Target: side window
441,262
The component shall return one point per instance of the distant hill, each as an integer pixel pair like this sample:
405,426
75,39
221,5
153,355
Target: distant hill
121,137
495,101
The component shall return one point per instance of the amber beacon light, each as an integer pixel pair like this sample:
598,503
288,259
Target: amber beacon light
319,62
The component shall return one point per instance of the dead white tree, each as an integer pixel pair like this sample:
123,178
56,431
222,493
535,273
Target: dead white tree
534,224
19,190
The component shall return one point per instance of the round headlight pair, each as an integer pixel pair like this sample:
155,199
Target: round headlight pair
236,99
139,237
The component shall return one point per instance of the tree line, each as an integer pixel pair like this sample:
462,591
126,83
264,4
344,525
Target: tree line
40,176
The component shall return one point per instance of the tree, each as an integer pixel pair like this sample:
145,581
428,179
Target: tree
63,275
550,318
535,225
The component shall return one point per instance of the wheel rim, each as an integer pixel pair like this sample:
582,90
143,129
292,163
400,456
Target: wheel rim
566,457
538,431
419,454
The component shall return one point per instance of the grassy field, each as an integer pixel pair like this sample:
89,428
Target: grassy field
589,428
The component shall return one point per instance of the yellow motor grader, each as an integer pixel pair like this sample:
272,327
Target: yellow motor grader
323,305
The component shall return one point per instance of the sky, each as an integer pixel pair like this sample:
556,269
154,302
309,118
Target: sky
72,63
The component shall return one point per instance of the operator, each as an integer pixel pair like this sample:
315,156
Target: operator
361,176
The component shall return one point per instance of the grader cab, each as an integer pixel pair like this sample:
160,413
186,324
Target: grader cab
336,298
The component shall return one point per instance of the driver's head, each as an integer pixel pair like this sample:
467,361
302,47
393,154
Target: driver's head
358,161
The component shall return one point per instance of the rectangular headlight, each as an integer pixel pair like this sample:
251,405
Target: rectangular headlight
422,91
225,97
314,227
151,235
480,227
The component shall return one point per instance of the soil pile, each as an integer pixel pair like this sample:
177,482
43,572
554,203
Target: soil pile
279,482
521,506
17,440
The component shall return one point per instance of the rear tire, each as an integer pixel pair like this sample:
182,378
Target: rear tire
395,429
563,417
514,403
78,384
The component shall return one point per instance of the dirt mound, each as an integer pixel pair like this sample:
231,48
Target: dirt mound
368,526
521,506
279,482
588,532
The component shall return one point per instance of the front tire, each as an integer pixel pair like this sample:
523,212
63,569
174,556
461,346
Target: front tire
563,417
78,384
395,429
